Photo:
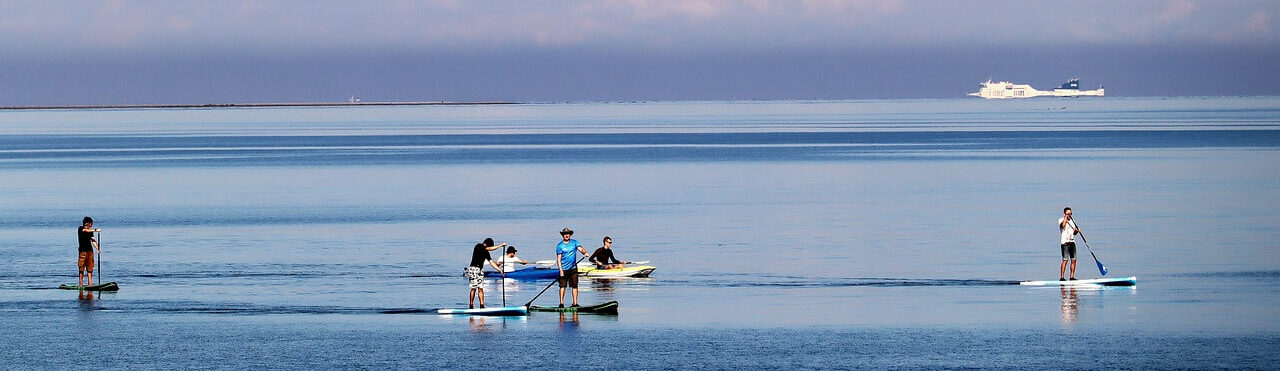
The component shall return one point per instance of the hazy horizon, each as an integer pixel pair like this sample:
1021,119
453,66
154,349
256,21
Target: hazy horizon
145,52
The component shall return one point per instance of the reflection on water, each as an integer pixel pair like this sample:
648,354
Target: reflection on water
507,284
477,323
485,324
569,322
1095,298
604,286
1070,305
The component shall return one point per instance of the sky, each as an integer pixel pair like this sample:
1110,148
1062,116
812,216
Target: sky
199,52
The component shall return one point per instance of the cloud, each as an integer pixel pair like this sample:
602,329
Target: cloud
658,25
1177,11
1258,23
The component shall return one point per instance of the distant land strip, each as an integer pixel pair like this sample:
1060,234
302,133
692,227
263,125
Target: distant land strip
243,105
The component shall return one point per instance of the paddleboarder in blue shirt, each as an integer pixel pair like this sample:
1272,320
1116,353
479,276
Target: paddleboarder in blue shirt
567,253
1068,230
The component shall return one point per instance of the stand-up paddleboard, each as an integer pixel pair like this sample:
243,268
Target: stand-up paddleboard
1121,281
494,311
109,286
605,308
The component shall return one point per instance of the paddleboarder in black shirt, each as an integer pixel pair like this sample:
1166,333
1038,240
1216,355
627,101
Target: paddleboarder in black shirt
604,255
88,246
480,255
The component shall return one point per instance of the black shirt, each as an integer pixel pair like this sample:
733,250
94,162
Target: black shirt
86,239
602,256
479,255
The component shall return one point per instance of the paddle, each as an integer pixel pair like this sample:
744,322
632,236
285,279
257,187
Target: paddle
1101,268
551,262
99,258
544,289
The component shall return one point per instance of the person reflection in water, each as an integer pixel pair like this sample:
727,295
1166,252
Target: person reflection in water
1070,304
603,286
569,321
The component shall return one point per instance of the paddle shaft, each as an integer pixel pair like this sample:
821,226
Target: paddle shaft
99,252
544,289
1101,268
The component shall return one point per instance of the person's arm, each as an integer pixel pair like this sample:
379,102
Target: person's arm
1070,222
496,266
94,241
559,263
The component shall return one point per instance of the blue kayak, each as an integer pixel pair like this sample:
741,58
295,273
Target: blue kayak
531,273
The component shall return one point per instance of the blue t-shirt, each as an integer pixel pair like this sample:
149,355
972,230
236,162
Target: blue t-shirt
568,252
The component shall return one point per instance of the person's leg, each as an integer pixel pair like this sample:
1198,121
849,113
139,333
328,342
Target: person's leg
80,268
471,302
1071,250
573,283
480,294
88,269
1062,271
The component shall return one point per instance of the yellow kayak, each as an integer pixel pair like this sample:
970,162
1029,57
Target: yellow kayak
589,270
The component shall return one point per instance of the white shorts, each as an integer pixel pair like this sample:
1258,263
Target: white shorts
475,277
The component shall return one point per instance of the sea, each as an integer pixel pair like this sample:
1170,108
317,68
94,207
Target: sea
863,234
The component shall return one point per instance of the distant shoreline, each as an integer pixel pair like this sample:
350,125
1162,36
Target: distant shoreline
251,105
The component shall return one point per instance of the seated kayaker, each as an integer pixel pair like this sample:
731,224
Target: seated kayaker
508,260
603,257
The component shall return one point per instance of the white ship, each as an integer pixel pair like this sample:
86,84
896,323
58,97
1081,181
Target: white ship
1005,90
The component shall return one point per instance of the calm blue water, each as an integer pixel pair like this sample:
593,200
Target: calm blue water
873,234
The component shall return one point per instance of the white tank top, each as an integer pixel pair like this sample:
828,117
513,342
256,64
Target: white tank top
1068,231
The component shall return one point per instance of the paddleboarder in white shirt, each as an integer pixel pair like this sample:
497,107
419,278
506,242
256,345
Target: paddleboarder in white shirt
508,261
1069,230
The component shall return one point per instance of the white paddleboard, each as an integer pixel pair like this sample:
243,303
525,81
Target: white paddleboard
492,311
1119,281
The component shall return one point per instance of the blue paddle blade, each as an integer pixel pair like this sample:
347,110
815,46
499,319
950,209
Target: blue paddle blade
1101,269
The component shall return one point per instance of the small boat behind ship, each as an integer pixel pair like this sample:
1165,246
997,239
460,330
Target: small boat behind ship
1006,90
